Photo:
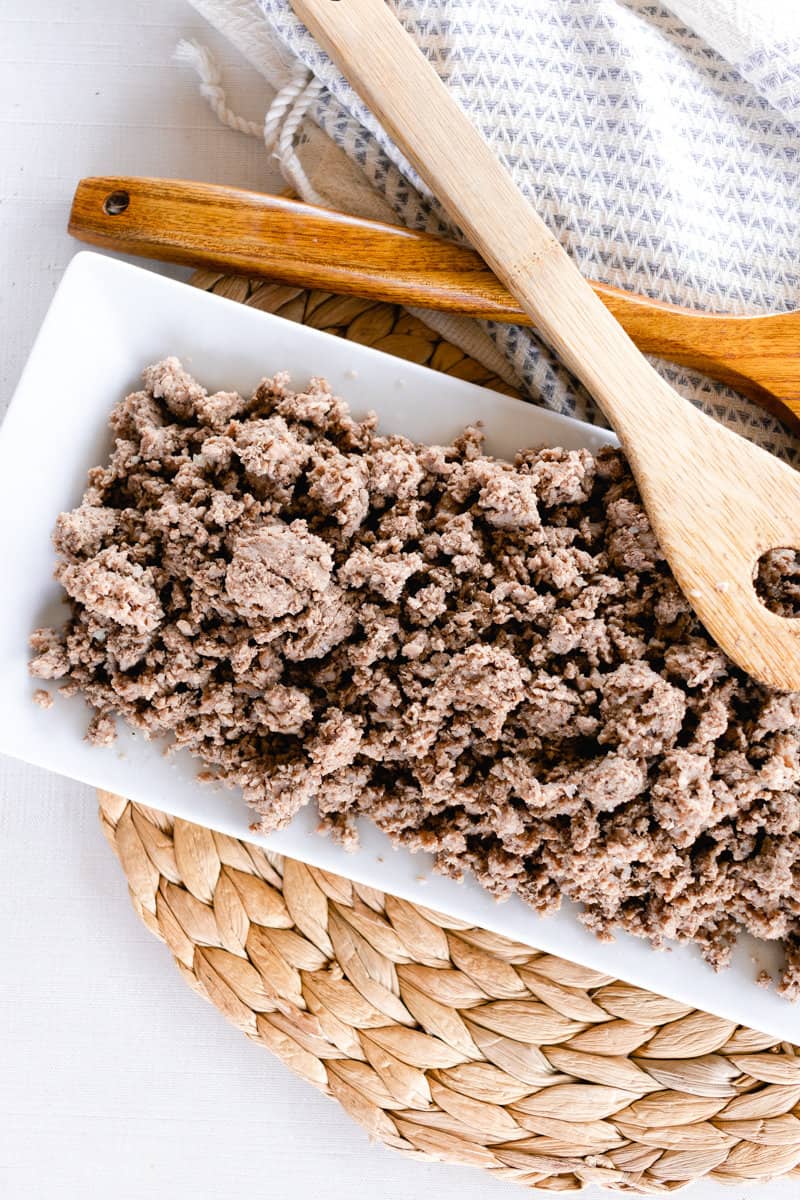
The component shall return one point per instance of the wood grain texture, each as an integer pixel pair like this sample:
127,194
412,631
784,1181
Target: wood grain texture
273,237
716,502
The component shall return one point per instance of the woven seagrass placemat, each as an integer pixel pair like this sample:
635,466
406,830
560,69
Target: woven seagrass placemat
445,1041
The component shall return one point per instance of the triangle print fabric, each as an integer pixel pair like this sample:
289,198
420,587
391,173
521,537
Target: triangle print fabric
659,165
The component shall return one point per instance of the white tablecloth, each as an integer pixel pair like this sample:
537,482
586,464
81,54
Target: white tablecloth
115,1079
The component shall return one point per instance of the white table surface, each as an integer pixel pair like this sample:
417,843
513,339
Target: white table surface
116,1081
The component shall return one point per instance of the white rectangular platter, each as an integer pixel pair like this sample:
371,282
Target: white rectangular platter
107,321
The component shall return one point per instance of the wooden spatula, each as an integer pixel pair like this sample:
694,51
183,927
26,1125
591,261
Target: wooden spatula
230,229
716,502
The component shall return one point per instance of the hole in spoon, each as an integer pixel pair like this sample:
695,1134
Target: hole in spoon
116,203
777,581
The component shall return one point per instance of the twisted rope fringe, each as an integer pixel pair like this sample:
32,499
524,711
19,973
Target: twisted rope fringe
203,63
282,121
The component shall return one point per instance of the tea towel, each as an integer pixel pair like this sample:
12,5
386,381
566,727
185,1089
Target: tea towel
661,145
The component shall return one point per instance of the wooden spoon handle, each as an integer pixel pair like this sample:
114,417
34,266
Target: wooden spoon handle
230,229
274,237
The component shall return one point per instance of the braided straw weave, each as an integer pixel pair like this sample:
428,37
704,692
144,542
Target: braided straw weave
445,1041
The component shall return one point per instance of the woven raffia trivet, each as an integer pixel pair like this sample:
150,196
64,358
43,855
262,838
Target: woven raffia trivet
447,1042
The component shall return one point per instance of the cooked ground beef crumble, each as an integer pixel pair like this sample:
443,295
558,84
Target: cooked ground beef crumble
492,662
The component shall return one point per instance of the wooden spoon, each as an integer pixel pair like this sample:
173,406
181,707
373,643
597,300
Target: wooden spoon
716,502
271,236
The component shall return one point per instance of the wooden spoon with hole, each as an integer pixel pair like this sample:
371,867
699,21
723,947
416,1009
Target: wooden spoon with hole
716,502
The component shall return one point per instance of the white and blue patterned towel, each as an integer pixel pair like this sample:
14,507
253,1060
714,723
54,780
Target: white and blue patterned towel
661,145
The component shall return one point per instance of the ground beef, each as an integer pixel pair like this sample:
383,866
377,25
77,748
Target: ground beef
492,661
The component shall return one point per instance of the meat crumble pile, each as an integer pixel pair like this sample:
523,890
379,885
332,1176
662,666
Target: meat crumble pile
492,662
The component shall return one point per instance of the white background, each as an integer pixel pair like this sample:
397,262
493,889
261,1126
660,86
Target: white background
116,1081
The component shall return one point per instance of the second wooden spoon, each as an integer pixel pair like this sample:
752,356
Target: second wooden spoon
230,229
